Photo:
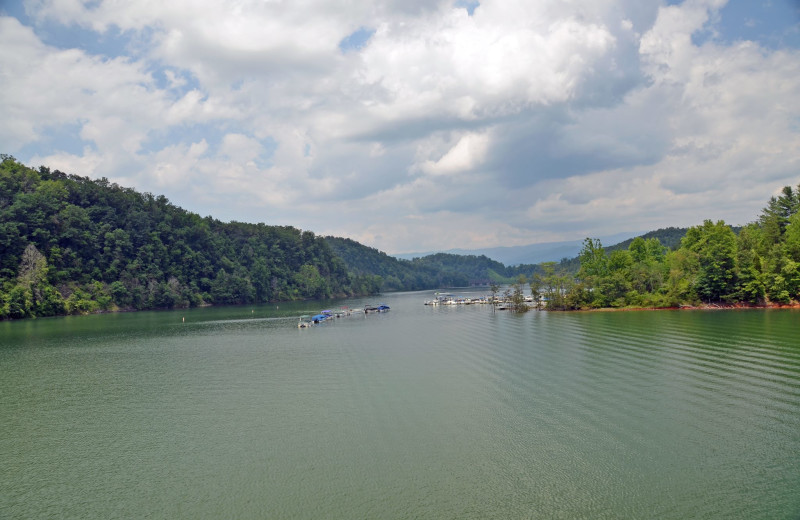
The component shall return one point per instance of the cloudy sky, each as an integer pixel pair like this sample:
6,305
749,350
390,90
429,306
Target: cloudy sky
415,125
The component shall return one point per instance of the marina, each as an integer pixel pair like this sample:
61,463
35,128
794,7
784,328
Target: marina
452,299
306,320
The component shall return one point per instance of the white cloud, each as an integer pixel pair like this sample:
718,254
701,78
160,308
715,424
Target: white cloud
526,121
240,148
87,164
501,60
172,166
468,153
113,101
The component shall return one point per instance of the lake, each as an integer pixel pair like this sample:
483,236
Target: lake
446,412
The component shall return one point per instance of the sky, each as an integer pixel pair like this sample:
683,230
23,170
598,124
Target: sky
415,125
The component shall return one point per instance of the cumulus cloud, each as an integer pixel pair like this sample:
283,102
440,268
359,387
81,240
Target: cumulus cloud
448,124
467,154
727,134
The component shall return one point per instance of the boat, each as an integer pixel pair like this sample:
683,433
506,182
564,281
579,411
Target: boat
376,308
304,322
442,299
319,318
450,299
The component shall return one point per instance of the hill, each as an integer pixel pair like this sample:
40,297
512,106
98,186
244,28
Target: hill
669,237
714,265
72,245
429,272
527,254
75,245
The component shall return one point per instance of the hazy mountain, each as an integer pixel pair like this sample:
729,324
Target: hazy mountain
529,254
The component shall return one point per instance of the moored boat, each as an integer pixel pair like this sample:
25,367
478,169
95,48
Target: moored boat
304,321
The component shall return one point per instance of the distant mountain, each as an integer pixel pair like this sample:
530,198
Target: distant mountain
529,254
457,269
669,237
428,272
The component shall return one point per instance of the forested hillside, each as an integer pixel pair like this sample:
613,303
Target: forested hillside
756,264
668,237
428,272
395,274
71,245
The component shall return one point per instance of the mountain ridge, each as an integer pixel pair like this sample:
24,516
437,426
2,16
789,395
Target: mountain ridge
527,254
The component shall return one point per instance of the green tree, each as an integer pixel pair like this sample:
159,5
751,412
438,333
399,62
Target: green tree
792,237
775,217
594,262
715,247
310,282
556,284
536,289
517,295
751,287
34,295
494,289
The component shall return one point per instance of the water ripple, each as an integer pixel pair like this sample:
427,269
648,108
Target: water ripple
446,412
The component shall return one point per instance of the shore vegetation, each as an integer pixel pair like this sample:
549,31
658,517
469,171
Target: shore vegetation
74,245
714,266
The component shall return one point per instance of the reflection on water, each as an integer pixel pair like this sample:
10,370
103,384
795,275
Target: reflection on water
429,412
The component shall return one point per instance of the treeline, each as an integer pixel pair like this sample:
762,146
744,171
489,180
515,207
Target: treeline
70,244
669,237
395,274
476,269
756,264
428,272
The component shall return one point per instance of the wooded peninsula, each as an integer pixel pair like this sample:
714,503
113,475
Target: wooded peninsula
73,245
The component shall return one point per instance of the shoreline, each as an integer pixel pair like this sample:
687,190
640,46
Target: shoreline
701,307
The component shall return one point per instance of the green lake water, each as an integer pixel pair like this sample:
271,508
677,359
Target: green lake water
421,412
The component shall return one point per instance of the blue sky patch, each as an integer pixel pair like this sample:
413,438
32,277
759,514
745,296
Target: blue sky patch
469,5
185,134
264,160
62,138
356,40
184,81
772,23
112,43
